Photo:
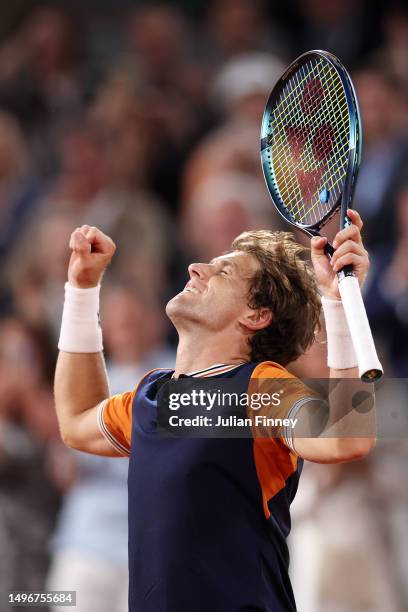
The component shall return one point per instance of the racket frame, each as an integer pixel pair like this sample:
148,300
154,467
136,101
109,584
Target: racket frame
344,200
370,368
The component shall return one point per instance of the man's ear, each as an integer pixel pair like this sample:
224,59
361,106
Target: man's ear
258,319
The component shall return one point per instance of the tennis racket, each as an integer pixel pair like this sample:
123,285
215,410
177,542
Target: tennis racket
310,151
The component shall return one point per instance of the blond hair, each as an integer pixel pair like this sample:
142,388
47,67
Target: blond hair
284,283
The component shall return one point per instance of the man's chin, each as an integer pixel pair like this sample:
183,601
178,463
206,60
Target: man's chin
175,304
179,307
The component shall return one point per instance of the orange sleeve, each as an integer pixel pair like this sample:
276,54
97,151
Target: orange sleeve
115,420
284,389
277,382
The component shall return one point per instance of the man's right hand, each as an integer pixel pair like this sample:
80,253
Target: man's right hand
81,383
92,251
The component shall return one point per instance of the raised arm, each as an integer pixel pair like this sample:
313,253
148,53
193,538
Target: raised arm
349,431
81,382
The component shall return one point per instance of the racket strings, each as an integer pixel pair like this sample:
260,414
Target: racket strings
337,164
308,176
310,141
309,160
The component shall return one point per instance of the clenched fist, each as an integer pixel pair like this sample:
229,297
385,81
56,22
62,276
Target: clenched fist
92,251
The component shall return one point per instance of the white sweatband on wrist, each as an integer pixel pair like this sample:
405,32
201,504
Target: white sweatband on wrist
340,350
80,328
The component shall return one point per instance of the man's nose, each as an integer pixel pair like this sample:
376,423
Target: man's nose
199,270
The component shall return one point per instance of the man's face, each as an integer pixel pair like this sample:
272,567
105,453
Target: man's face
216,296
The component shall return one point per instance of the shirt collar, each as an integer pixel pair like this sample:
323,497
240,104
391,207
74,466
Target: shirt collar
215,370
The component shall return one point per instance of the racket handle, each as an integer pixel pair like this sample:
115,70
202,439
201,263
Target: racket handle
346,270
369,366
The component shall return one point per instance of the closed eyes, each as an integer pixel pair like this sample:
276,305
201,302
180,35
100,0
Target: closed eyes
226,268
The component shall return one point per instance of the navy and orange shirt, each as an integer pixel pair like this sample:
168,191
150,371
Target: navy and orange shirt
208,517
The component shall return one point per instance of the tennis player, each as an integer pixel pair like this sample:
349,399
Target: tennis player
209,517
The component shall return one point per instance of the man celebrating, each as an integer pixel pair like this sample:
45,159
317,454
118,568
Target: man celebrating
208,517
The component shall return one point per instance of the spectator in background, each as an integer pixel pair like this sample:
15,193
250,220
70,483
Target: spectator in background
220,208
30,449
160,43
238,93
160,40
19,189
39,80
232,148
84,170
133,348
242,26
386,295
384,166
340,528
241,87
34,279
90,543
392,57
343,27
123,132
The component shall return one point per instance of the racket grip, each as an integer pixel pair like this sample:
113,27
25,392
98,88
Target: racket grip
369,366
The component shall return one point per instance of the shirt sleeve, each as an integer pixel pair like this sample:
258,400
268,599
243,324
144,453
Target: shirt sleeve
287,396
115,420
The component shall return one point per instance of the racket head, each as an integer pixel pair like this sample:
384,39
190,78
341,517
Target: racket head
311,141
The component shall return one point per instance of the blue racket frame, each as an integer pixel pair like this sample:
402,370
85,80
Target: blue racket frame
344,200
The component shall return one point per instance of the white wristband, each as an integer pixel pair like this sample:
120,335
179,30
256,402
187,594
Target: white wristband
80,328
340,350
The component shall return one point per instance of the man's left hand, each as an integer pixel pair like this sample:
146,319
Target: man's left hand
349,250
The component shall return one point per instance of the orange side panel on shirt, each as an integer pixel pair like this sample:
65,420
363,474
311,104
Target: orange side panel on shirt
274,461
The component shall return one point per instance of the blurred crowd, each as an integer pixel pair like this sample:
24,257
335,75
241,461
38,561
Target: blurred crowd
144,120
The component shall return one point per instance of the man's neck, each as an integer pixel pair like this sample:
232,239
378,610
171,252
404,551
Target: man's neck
202,351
